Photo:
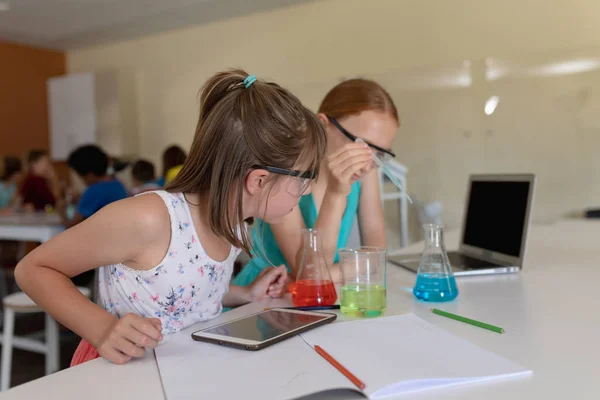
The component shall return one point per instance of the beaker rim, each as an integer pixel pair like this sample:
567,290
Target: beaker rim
364,250
433,226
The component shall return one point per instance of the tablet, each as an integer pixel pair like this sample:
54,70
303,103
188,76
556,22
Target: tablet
263,329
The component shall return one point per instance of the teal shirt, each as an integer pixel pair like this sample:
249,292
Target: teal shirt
266,251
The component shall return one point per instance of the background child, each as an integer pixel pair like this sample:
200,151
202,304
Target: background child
166,258
11,175
173,159
91,163
143,177
40,187
116,166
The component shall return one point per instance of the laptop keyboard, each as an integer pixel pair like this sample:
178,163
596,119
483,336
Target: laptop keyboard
466,262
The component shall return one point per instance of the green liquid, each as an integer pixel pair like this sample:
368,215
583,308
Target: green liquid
363,300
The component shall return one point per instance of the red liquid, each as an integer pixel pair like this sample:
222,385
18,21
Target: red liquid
313,293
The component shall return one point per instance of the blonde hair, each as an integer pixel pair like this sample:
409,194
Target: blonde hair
238,129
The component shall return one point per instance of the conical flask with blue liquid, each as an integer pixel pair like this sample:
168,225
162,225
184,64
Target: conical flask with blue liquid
435,280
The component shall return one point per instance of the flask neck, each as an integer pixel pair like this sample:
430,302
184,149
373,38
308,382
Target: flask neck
312,240
434,236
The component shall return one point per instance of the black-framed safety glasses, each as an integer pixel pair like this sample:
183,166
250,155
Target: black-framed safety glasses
383,154
296,187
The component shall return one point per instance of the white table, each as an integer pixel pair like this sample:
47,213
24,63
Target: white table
34,227
549,312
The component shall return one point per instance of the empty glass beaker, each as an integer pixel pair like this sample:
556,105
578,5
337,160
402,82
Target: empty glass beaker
363,275
314,286
435,280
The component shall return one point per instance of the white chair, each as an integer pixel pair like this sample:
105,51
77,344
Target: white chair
20,303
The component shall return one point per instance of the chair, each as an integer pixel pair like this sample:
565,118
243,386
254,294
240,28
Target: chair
20,303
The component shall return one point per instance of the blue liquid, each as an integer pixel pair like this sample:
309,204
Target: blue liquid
435,288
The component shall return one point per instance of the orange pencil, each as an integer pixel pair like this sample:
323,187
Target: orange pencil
340,367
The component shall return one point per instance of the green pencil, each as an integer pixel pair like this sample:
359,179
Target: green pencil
468,321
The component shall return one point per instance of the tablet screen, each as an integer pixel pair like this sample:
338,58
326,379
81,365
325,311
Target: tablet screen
265,326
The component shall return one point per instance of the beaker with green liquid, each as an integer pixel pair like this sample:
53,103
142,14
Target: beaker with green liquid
363,276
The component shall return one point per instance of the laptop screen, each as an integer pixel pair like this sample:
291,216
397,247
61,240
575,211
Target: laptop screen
496,215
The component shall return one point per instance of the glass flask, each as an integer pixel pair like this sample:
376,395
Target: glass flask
435,280
314,286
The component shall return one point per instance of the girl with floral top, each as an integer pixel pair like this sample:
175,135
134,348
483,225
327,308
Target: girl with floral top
165,258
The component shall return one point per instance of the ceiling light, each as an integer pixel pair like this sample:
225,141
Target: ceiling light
490,105
568,67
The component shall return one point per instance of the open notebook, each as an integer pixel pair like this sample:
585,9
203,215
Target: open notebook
391,355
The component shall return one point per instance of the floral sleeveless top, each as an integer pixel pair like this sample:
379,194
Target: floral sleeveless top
186,287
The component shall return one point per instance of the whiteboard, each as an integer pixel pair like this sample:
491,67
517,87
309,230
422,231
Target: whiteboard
71,113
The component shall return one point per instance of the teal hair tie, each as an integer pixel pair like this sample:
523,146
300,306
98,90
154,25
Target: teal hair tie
249,81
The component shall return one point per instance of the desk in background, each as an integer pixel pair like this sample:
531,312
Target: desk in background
27,227
548,311
34,227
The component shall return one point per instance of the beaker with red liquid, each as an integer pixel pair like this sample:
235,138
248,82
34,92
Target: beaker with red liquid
314,286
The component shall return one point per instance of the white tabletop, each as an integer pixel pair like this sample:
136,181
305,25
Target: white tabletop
548,312
38,227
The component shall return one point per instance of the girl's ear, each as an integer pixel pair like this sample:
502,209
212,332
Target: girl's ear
323,118
256,181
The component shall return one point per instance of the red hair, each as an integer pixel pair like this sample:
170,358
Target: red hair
354,96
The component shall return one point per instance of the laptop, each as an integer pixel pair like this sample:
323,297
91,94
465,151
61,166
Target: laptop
494,229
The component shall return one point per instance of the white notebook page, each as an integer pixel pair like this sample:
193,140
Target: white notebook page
404,353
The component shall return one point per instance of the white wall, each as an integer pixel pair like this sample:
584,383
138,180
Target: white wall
547,123
310,47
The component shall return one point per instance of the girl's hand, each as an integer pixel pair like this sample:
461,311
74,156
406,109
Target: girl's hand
271,282
347,165
128,337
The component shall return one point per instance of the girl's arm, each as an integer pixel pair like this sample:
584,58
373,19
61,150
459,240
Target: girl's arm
134,231
271,282
370,211
344,167
287,233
